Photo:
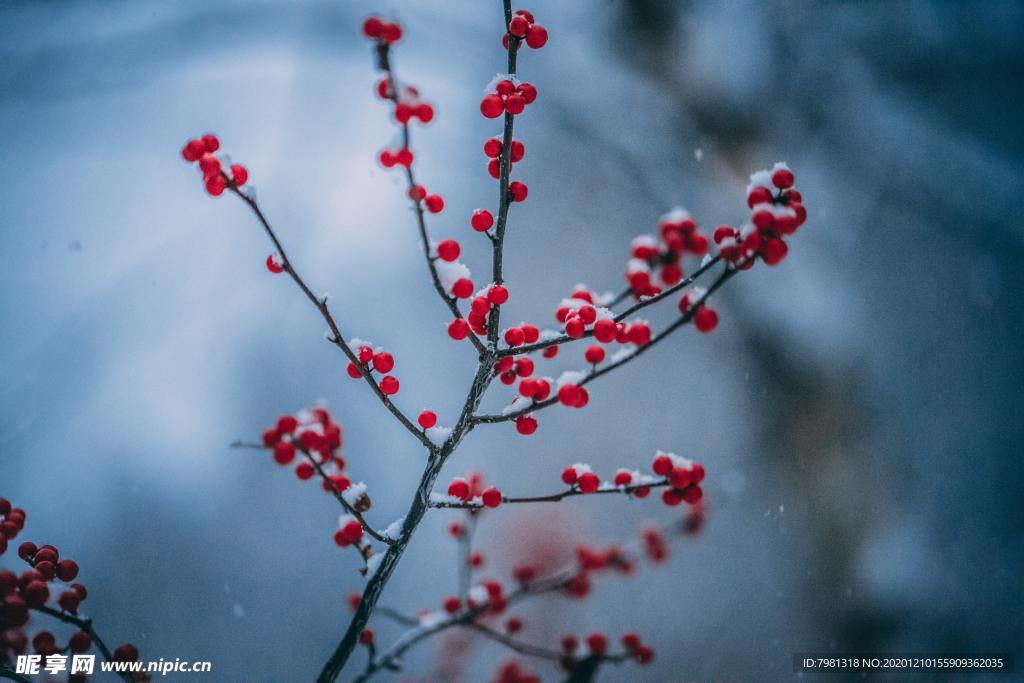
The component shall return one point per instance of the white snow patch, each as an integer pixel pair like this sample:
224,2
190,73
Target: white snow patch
353,493
394,530
569,377
438,435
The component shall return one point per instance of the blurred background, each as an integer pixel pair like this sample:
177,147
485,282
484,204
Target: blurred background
858,408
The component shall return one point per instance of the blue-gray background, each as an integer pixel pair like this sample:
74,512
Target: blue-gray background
857,409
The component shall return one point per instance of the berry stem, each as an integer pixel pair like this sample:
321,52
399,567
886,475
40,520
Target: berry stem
555,497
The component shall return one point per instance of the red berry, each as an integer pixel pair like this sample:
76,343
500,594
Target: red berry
273,266
210,142
448,250
705,319
427,419
36,593
662,465
68,601
526,425
80,642
569,475
239,174
537,36
67,570
215,185
524,367
528,92
530,333
372,27
623,478
574,327
515,104
514,336
773,251
304,471
452,604
463,288
514,625
424,112
389,385
594,354
458,329
403,157
284,452
518,26
383,362
434,202
692,494
482,220
193,150
672,497
492,106
497,295
459,488
366,637
518,151
597,643
588,482
491,497
353,371
518,191
492,148
759,195
783,178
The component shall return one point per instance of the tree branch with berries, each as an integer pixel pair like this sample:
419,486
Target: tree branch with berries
47,587
655,270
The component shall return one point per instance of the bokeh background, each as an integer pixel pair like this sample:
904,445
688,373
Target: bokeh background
858,409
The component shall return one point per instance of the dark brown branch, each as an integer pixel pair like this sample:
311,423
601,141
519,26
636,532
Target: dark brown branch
504,195
84,624
321,305
728,273
638,306
556,497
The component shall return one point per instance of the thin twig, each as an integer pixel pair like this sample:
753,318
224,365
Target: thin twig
321,305
686,317
638,306
385,62
554,497
84,624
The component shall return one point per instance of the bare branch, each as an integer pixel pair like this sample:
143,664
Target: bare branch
556,497
321,305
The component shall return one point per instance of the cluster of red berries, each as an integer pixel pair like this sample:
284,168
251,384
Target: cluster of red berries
507,96
350,531
201,151
522,26
315,432
684,477
408,104
513,672
479,312
580,314
473,487
662,256
493,148
590,560
400,157
383,31
31,590
705,318
375,360
597,645
654,545
775,214
434,203
12,521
